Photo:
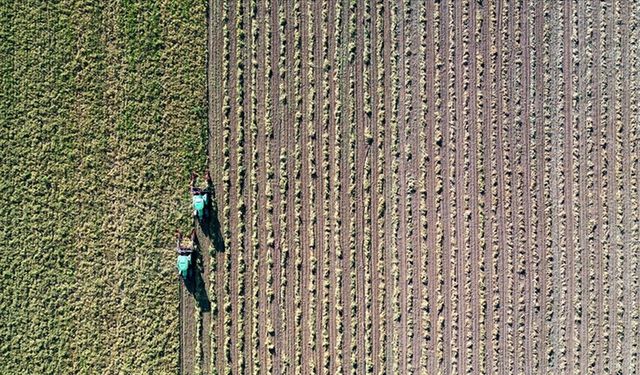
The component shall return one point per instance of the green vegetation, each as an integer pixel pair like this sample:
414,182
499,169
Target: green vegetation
102,116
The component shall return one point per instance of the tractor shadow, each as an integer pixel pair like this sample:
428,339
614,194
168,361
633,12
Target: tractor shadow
198,288
212,229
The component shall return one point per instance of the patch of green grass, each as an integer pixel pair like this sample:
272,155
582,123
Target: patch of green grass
102,116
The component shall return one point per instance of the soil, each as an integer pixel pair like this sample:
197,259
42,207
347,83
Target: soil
479,220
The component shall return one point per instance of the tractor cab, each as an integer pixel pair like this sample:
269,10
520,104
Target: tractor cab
183,264
200,196
184,260
199,202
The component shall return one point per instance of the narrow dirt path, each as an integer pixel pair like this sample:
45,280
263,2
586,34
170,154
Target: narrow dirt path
215,79
627,272
415,135
599,188
205,309
445,40
376,241
401,239
358,200
474,204
263,302
431,188
460,188
489,204
585,185
237,100
387,193
540,183
213,94
319,186
332,176
291,133
305,194
530,271
187,331
513,206
611,205
503,362
346,170
247,181
553,339
567,71
275,148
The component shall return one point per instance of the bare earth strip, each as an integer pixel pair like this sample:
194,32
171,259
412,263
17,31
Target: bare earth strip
530,270
402,214
363,149
460,170
427,187
188,334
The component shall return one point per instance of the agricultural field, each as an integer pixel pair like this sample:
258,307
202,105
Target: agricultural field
423,187
400,187
102,117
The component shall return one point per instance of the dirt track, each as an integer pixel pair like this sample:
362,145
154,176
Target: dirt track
424,187
188,332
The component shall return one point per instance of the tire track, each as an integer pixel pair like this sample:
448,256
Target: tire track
541,231
611,205
582,193
626,350
205,316
417,192
513,175
502,268
223,184
444,155
216,133
634,120
431,219
245,209
235,82
401,198
334,178
388,356
362,153
346,109
376,177
274,144
460,187
292,137
306,195
474,189
599,235
556,295
320,201
213,66
567,71
261,112
487,141
187,331
529,270
255,234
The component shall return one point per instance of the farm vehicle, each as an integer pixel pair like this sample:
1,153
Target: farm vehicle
185,259
201,203
200,197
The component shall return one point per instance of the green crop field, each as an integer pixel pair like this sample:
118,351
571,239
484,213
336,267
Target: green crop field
102,116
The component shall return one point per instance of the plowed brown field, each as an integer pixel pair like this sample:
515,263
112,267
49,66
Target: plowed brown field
424,187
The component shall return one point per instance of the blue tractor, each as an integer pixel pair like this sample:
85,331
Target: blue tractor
185,256
200,197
